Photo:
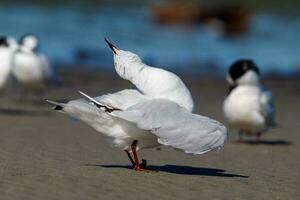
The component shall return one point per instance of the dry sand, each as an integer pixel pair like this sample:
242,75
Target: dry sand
47,155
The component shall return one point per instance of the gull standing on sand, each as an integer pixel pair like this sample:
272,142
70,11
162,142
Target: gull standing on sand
31,69
7,46
159,113
248,106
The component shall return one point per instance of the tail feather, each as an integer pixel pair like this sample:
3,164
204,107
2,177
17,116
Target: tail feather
57,106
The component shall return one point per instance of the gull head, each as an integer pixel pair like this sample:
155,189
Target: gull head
29,42
122,57
243,72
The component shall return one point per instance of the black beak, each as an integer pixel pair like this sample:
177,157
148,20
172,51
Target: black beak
113,47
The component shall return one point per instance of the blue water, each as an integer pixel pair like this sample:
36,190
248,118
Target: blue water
273,41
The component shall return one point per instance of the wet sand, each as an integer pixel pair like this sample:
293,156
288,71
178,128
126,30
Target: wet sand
47,155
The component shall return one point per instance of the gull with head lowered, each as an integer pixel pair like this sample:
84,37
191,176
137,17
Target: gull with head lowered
158,113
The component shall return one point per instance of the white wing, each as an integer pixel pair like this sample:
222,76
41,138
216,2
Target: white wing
122,99
98,115
267,107
175,126
91,110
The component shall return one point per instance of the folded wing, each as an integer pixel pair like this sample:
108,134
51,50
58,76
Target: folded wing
175,126
267,107
122,99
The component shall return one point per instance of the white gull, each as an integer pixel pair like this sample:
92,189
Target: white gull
133,120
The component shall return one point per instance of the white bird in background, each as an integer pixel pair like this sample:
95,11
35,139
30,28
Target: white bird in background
134,120
31,69
248,106
7,46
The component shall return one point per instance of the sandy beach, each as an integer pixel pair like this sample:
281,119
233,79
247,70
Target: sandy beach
47,155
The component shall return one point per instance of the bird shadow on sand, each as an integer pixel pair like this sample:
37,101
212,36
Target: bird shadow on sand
179,169
23,112
268,142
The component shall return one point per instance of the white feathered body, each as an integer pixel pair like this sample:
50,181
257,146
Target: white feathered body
158,83
151,81
151,122
31,71
249,108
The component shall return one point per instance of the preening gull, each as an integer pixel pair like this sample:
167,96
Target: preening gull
158,113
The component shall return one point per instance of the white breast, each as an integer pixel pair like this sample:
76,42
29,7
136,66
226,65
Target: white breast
242,109
158,83
30,70
151,81
27,67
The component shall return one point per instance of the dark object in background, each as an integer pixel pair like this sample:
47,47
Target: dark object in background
229,20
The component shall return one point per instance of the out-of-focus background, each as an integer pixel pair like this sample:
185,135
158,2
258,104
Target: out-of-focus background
185,35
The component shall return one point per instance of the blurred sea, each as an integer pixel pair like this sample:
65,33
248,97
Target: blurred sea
73,36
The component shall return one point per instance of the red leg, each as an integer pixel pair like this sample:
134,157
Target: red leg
142,165
135,156
130,158
137,166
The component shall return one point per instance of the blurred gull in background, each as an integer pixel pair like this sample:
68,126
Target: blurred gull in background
249,106
158,113
30,68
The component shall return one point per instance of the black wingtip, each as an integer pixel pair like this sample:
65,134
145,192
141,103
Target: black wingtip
57,108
